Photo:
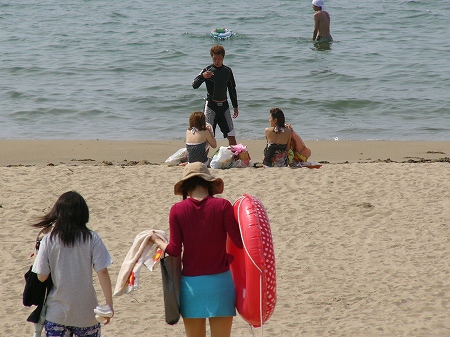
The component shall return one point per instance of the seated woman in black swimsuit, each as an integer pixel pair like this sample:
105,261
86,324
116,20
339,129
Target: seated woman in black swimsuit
199,137
278,140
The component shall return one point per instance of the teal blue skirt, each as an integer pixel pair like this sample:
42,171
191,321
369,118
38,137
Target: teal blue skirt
208,296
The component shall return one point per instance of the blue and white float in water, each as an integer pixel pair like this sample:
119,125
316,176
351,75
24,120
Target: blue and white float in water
221,33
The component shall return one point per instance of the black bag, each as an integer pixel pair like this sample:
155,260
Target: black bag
35,293
171,278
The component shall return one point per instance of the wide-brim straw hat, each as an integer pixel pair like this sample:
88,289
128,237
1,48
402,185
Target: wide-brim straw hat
200,170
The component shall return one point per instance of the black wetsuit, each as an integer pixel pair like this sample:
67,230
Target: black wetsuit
217,87
218,84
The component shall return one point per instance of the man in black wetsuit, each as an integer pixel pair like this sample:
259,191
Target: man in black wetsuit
219,78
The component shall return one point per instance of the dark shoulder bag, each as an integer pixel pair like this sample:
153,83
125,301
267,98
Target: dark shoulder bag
35,291
171,278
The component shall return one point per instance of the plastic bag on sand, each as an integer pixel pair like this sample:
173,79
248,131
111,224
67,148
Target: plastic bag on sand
239,164
178,157
223,158
235,156
241,155
240,151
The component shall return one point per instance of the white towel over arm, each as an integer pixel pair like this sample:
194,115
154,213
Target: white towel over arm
128,278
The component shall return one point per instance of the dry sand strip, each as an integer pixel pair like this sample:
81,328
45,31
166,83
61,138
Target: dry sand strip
95,152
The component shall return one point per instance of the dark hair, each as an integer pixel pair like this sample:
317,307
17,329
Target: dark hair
278,114
197,120
193,182
69,217
218,50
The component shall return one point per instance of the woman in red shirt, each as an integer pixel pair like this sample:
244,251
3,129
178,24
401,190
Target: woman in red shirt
199,226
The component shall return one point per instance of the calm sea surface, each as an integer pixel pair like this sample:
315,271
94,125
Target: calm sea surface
109,69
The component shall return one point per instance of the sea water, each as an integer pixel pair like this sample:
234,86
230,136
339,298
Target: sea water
109,69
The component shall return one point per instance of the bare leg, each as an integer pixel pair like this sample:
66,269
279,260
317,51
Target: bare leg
195,327
221,326
232,140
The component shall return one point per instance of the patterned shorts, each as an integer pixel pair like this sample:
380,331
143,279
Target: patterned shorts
57,330
220,115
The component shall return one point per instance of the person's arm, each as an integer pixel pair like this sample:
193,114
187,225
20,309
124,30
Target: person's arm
288,145
210,138
160,243
41,264
105,283
199,79
231,225
316,26
42,277
174,246
231,85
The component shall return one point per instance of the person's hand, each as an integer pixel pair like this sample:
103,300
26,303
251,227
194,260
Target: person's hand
153,238
207,74
103,316
209,127
236,112
108,319
157,241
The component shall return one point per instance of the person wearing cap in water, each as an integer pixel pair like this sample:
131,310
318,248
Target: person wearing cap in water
321,22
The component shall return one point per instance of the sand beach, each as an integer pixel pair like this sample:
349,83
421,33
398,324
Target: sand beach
361,244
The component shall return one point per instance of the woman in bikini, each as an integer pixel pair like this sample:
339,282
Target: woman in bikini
199,137
278,140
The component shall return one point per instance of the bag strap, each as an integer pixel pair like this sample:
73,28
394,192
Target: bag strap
44,231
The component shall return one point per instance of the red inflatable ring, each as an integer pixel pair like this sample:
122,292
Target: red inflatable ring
253,268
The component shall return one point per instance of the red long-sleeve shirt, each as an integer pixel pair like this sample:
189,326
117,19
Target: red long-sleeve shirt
201,227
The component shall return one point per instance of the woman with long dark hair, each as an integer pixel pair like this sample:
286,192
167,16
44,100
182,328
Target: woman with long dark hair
278,138
68,254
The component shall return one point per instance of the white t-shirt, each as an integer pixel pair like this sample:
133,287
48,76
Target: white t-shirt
72,299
